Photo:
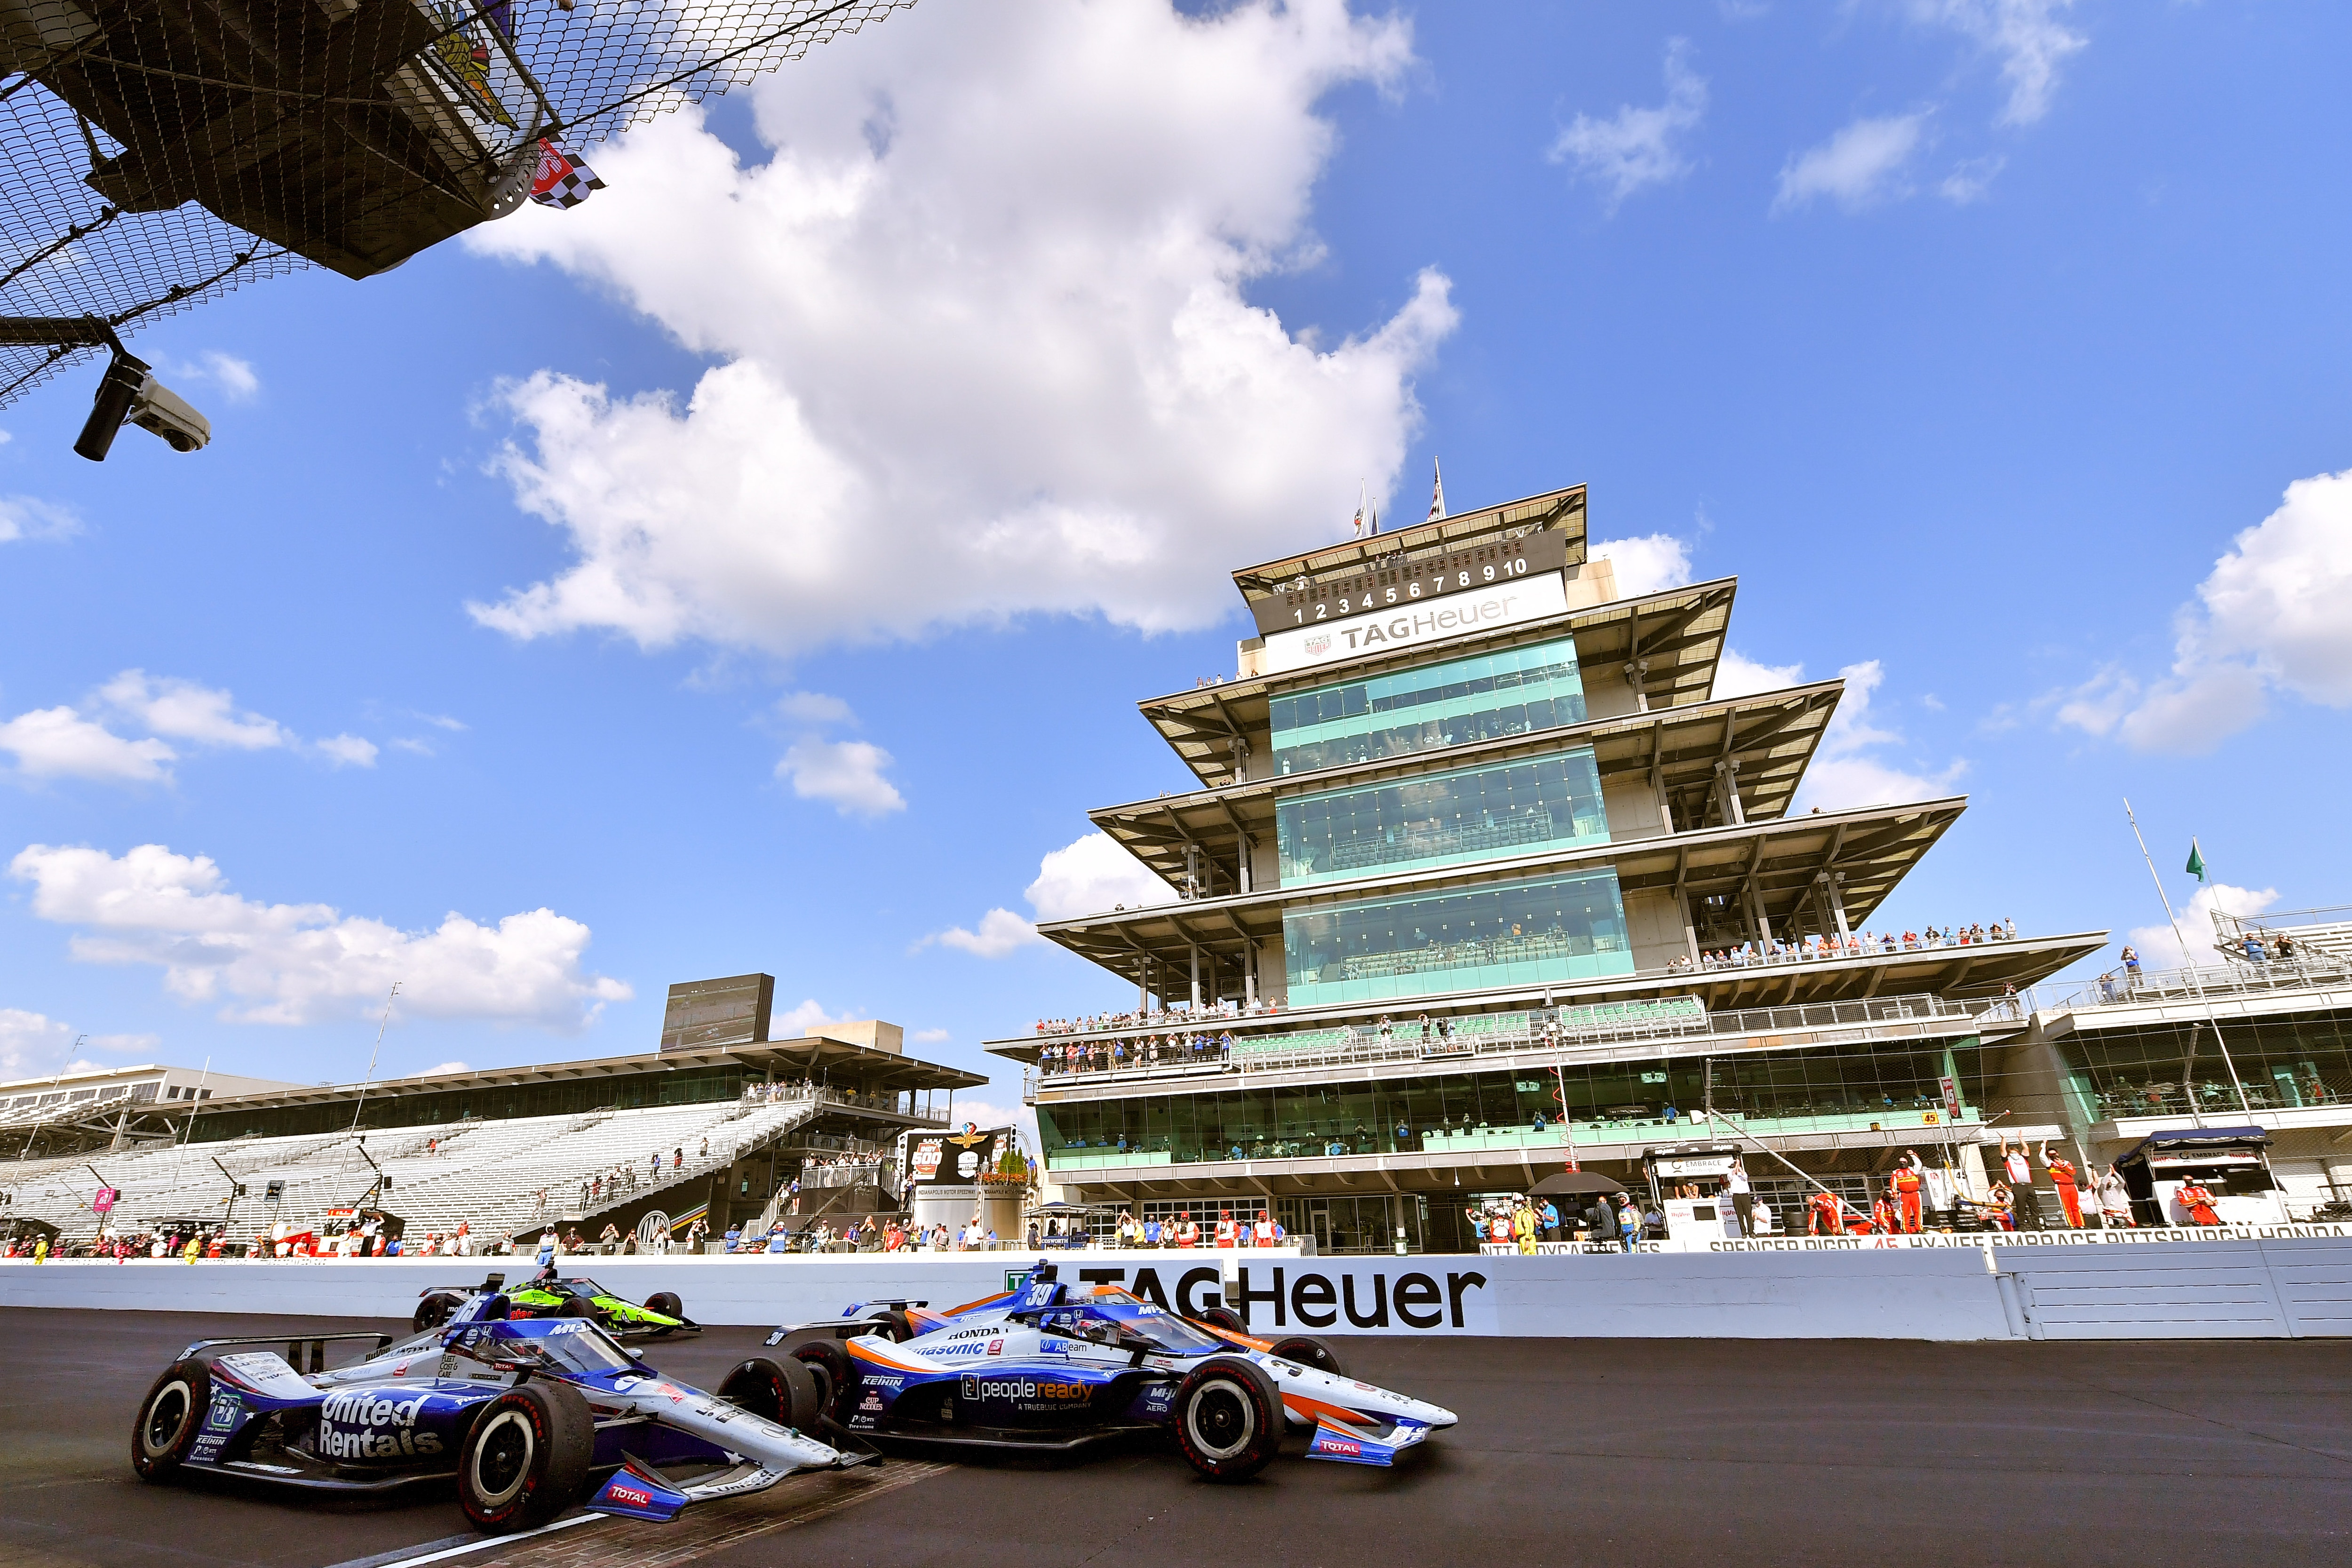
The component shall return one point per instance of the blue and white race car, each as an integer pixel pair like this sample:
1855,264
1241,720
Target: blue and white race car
1048,1366
530,1418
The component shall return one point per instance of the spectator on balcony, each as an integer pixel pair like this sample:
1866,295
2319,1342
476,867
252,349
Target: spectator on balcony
2115,1200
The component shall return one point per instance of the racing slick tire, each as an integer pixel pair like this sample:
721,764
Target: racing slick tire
896,1327
1228,1418
830,1365
169,1420
576,1306
526,1458
785,1391
434,1311
1310,1351
1224,1317
666,1303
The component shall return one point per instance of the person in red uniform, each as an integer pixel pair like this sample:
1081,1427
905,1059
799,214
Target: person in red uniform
2193,1197
1906,1184
1228,1233
2062,1177
1882,1217
1188,1233
1824,1216
1262,1233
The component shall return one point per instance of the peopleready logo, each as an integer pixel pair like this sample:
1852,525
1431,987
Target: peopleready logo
364,1427
1021,1388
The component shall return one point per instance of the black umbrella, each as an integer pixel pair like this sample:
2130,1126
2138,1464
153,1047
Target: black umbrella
1575,1182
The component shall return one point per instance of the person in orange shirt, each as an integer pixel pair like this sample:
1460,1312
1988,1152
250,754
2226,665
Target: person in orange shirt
1907,1183
2062,1177
1188,1233
1824,1217
2193,1196
1228,1233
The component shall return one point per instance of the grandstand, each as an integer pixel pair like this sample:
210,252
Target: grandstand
617,1140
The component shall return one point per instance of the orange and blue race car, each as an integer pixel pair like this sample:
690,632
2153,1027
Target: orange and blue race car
1054,1367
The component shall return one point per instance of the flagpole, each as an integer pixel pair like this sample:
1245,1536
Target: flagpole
2195,983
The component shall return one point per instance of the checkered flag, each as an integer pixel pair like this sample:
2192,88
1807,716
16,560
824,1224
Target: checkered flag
563,181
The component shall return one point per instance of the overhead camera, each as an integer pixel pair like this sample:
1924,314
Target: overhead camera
128,392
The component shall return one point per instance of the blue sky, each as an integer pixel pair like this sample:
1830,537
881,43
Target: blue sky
755,568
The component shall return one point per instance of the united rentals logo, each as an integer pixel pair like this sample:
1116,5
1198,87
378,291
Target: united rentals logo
365,1427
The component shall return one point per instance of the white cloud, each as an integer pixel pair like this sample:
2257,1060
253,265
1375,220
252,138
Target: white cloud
58,742
987,1115
1647,564
348,751
985,333
1849,769
1088,875
796,1023
846,772
233,375
1970,180
2027,35
443,721
22,516
187,712
302,963
446,1067
412,744
126,1045
29,1041
2269,616
1737,675
1001,931
929,1036
1635,147
1091,875
815,707
1855,168
2159,950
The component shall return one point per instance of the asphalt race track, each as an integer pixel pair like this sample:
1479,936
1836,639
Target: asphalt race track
1619,1452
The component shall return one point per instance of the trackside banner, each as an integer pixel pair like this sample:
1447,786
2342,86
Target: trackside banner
1937,1239
1425,1295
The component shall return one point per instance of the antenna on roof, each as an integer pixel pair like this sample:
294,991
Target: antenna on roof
361,1103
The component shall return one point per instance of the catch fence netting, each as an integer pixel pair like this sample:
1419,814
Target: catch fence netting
156,154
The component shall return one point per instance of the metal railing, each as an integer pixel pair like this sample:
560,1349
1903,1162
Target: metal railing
1570,1031
2203,981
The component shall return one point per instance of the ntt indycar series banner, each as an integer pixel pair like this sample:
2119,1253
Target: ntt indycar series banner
1933,1239
1426,1295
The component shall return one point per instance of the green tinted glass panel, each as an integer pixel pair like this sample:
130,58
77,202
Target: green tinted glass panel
1442,819
1535,932
1508,693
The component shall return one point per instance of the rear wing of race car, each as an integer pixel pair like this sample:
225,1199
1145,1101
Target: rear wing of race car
317,1344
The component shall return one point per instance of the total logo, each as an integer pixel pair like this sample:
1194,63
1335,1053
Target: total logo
364,1426
631,1495
1341,1446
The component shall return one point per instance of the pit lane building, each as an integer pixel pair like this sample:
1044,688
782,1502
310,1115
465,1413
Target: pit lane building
1465,823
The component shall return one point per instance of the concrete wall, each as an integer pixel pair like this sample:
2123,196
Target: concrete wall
2297,1286
1654,923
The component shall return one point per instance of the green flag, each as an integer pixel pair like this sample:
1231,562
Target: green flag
2196,867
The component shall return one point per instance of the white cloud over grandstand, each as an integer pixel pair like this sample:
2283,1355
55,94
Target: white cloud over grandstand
79,740
1637,147
302,964
2159,949
797,1021
26,517
983,325
1084,877
1851,766
31,1042
2270,618
1646,563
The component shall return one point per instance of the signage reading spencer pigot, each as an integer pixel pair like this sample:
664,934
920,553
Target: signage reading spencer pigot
1487,609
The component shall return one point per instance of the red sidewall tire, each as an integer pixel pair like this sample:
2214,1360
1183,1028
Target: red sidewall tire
169,1420
1224,1317
834,1376
432,1311
784,1392
666,1303
525,1458
1228,1418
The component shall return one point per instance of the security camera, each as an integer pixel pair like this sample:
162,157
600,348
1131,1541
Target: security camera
130,391
160,411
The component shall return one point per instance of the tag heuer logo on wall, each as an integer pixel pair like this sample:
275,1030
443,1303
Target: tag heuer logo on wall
1318,645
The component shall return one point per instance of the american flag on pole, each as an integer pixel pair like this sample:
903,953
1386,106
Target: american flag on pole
563,181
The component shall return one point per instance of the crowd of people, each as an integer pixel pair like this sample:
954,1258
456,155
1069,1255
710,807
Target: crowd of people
1153,1018
1814,949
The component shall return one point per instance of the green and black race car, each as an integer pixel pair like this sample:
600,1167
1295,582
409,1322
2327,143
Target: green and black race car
549,1296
